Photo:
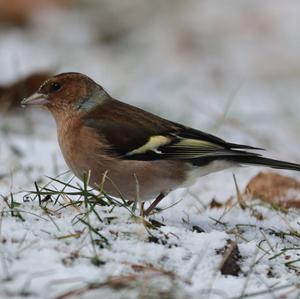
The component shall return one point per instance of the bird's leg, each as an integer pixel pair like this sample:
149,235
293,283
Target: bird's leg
142,211
154,204
129,203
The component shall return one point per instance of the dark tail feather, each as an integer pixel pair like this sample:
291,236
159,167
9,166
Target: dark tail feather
256,160
242,146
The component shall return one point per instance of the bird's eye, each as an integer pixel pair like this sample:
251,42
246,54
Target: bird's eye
55,86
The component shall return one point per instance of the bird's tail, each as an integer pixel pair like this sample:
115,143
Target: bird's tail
257,160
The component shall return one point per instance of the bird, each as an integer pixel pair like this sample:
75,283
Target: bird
130,153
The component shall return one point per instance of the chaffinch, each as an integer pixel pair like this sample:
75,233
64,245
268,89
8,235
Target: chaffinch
129,152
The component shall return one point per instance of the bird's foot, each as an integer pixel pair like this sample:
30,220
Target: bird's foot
154,204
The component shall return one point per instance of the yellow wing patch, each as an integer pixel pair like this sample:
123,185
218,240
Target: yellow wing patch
153,143
183,148
193,148
198,144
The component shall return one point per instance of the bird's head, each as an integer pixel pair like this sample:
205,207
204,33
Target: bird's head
68,93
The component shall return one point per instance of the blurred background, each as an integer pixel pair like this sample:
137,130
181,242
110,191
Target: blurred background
228,67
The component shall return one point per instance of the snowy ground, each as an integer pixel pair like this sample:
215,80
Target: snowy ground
231,68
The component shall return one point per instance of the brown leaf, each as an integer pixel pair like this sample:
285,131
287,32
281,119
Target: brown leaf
276,189
214,204
18,12
231,257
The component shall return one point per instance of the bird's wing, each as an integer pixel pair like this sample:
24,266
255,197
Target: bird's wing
175,146
134,134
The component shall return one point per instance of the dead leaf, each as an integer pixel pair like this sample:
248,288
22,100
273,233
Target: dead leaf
276,189
214,204
231,257
18,12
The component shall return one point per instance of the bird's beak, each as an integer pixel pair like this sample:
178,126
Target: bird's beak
37,99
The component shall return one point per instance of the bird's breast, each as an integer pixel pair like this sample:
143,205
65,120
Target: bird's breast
81,148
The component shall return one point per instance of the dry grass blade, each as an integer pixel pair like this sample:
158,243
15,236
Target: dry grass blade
239,195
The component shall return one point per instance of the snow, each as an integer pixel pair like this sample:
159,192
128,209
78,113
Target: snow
186,63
